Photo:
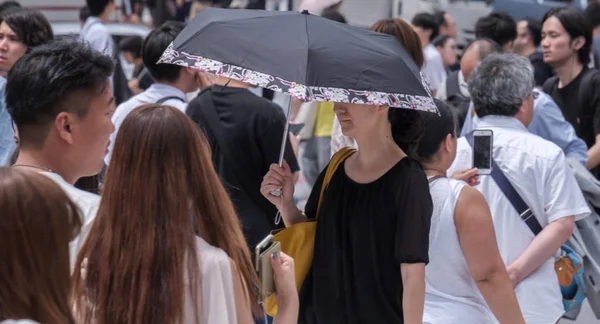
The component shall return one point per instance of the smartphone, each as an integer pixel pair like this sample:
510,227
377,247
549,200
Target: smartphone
264,251
482,151
296,128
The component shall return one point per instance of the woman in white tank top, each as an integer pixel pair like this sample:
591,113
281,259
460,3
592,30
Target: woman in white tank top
465,277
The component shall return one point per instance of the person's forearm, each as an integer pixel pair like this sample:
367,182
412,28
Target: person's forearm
413,297
498,292
593,156
542,248
287,312
291,215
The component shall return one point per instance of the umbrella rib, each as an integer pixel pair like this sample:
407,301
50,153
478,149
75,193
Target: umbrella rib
307,55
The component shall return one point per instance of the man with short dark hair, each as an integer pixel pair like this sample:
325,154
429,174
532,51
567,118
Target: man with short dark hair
172,81
60,99
499,27
426,26
446,23
94,31
529,38
501,88
21,29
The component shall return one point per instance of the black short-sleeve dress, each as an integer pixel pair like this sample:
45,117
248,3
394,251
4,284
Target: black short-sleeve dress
364,233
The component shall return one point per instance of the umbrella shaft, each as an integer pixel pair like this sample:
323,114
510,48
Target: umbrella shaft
285,133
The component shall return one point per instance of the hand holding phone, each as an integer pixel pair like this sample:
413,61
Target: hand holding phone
483,151
264,251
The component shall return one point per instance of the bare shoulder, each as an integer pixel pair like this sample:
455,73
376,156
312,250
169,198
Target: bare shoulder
471,205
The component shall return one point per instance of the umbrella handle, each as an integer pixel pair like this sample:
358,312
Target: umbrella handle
286,130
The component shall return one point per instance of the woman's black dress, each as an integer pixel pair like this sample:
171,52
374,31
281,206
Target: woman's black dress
364,233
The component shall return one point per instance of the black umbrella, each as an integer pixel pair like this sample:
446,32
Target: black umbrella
305,56
302,55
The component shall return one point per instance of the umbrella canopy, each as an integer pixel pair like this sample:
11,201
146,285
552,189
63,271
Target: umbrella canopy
305,56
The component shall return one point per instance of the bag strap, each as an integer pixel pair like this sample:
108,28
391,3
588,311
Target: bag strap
549,85
513,196
208,112
335,162
585,85
163,100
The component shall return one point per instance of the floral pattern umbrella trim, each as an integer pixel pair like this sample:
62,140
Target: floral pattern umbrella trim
302,92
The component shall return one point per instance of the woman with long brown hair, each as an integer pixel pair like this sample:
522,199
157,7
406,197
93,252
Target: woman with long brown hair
166,245
37,223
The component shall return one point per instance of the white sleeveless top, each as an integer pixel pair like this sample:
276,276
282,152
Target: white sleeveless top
216,300
451,295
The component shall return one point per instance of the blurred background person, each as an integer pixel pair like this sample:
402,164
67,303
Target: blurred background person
38,222
21,29
84,14
168,261
592,11
94,31
527,43
446,45
131,11
131,48
499,27
426,26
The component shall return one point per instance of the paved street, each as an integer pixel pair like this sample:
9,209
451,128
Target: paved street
585,317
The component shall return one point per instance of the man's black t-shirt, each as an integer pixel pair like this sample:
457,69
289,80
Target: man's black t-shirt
541,70
581,107
252,128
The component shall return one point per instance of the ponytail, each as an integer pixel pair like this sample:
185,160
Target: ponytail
407,129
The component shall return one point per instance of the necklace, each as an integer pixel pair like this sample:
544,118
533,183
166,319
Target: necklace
34,167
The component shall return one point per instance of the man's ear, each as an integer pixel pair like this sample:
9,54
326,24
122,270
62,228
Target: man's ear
62,125
578,43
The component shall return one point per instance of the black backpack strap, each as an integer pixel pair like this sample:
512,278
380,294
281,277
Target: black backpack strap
550,84
163,100
452,85
513,196
586,88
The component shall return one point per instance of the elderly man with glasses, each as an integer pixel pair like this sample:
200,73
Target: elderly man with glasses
502,92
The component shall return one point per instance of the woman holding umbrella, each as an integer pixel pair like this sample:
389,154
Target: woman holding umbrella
371,240
375,216
371,245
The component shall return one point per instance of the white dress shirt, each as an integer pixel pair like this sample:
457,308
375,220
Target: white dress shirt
433,67
96,34
88,204
539,173
152,95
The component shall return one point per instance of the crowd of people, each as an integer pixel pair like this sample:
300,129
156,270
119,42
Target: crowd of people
147,210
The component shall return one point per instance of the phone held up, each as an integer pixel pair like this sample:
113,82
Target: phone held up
482,151
264,251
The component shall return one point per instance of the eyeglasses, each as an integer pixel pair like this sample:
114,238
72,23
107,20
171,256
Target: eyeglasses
535,94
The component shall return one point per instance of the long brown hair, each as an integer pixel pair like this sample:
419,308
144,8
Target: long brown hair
404,32
161,191
37,223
